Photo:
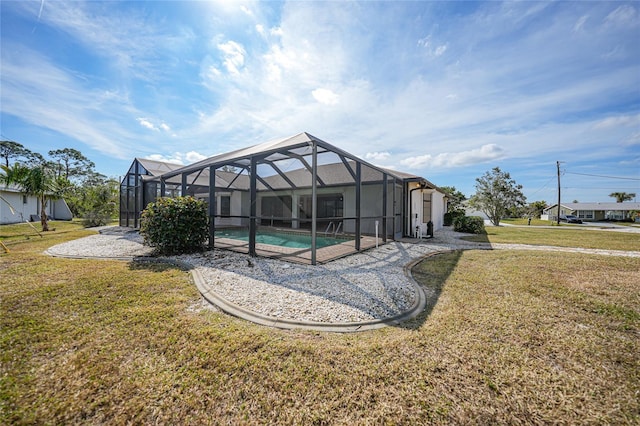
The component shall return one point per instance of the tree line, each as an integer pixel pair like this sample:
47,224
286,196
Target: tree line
65,173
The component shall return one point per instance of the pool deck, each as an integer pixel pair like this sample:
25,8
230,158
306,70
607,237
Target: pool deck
297,255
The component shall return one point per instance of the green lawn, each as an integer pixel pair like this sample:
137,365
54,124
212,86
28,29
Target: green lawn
514,337
17,232
560,236
523,221
539,222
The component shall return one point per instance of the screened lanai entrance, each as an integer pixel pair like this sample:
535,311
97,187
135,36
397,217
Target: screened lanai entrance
298,198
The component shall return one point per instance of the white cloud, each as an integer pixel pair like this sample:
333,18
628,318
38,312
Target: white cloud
325,96
178,157
49,97
146,123
510,94
617,121
128,39
234,55
377,156
193,157
431,48
246,10
440,50
483,154
580,23
625,15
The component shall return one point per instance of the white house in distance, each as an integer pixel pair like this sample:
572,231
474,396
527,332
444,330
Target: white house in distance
15,206
300,185
592,211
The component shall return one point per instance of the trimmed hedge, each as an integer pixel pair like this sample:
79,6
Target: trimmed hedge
469,224
175,225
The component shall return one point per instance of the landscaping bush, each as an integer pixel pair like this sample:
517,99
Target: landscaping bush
96,218
450,216
469,224
175,225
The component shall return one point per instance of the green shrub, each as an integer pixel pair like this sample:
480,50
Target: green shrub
450,216
175,225
95,218
469,224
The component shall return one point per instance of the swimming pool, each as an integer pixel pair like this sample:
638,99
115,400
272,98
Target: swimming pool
281,239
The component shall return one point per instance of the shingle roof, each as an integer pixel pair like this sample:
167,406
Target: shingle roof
599,206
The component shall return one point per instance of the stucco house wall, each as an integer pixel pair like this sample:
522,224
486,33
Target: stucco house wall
24,206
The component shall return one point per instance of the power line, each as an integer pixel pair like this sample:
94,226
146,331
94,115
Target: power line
543,186
602,176
598,187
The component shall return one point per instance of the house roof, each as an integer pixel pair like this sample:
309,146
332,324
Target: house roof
598,206
272,155
10,188
157,168
329,174
300,144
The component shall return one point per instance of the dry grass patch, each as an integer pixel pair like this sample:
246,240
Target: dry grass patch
21,232
514,338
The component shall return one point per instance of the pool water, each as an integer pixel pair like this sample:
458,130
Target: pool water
278,239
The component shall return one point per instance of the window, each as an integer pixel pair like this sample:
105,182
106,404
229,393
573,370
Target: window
225,205
278,207
426,208
24,199
330,205
585,214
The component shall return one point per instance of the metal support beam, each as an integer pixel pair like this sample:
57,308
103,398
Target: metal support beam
406,221
196,177
281,173
236,177
265,183
183,188
212,206
349,169
307,166
358,188
314,201
136,182
385,188
253,171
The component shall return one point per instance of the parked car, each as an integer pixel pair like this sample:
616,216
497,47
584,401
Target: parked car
570,219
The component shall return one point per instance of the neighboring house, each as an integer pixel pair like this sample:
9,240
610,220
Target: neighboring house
27,207
468,211
278,183
592,211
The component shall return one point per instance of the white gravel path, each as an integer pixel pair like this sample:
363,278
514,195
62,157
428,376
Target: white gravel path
363,287
367,286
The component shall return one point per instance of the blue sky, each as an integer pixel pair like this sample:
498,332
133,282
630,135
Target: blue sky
445,90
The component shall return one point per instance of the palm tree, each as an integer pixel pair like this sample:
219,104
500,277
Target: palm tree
36,181
622,196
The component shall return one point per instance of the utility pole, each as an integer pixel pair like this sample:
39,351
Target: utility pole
558,218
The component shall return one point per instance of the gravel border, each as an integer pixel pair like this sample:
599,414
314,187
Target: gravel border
366,290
